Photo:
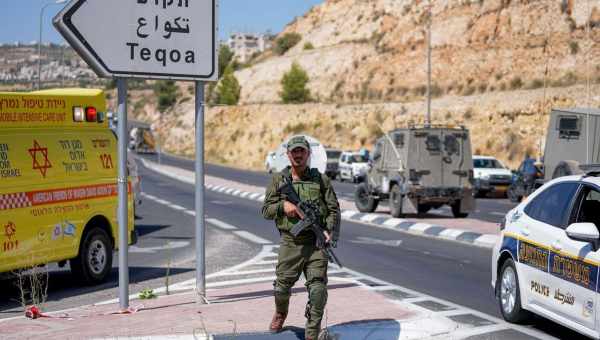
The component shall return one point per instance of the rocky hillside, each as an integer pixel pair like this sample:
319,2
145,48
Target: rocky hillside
498,68
375,50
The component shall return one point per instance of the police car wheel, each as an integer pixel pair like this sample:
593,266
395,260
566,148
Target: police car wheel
509,296
94,260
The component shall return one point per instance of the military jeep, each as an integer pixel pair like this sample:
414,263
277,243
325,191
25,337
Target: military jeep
417,169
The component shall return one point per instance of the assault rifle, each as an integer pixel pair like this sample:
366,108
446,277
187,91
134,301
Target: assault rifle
311,220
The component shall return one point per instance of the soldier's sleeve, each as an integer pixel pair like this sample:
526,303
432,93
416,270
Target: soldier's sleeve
333,208
273,205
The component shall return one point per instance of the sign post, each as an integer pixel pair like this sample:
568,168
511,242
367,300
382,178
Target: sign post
122,191
150,39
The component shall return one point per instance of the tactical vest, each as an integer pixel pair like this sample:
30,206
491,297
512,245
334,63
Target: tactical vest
310,189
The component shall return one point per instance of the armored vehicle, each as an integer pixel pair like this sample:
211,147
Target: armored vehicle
572,142
417,169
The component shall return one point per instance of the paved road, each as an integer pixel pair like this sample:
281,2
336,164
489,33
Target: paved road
488,209
455,272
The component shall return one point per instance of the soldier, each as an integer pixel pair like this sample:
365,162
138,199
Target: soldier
299,254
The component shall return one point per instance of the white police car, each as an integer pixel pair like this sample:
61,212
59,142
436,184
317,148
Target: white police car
546,261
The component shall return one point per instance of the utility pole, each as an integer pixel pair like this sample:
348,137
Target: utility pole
428,117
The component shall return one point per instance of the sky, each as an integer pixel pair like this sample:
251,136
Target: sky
19,19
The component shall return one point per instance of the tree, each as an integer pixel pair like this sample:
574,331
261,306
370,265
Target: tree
228,90
287,41
166,91
294,86
225,56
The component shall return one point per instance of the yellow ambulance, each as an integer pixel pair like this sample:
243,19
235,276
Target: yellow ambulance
58,182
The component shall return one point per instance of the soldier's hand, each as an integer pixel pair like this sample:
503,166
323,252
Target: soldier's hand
291,210
327,237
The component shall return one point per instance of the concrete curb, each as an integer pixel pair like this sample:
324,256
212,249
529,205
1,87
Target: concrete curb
375,220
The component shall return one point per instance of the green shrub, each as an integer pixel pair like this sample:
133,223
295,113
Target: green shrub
516,83
225,57
228,90
287,41
536,84
309,46
294,86
574,47
166,91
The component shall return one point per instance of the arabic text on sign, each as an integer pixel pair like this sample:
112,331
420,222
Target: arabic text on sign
165,3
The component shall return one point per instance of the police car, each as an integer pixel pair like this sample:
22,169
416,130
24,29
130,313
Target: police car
546,260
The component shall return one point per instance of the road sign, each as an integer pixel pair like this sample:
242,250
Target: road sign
166,39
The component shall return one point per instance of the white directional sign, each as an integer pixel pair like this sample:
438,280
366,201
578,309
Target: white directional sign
169,39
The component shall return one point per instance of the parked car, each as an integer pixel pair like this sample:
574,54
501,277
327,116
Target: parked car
333,159
352,165
546,259
525,180
270,161
417,169
489,175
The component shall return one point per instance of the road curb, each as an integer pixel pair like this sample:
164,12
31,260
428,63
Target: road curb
375,220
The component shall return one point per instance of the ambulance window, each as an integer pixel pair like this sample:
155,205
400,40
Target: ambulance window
568,127
432,143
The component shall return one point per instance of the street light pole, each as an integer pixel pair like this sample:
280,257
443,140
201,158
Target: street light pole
39,75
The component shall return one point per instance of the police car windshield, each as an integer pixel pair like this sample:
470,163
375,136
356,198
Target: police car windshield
487,164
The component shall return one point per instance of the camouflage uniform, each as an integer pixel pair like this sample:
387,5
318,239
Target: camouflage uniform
298,254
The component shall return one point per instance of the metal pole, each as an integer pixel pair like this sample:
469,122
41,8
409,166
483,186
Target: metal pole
122,186
39,75
199,167
428,118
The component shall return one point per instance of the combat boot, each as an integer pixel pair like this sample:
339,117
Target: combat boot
277,322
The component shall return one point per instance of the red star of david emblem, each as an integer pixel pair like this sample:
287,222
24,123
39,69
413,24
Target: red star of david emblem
44,153
10,230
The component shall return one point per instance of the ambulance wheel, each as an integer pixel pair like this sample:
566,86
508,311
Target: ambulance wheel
509,295
94,261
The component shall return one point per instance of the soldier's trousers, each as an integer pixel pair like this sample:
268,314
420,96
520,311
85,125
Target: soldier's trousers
293,260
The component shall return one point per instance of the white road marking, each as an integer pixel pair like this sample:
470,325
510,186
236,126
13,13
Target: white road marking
254,195
251,237
349,213
176,207
245,272
220,224
496,213
244,194
420,227
369,217
262,197
240,281
260,263
393,222
376,241
150,250
487,239
451,233
190,212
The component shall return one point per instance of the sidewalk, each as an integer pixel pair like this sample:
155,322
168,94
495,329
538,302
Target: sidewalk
241,305
466,230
